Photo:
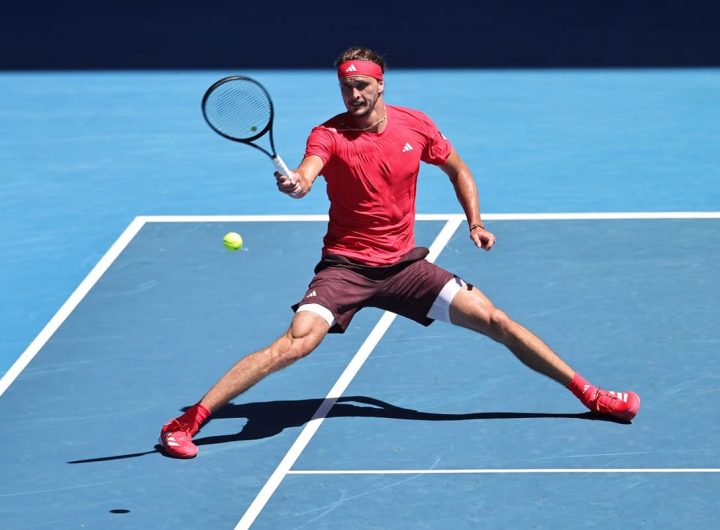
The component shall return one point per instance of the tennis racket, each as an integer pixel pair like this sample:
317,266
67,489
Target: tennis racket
240,109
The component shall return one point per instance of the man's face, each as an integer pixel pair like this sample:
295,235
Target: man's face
360,93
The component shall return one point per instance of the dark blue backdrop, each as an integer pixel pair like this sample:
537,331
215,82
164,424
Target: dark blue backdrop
86,34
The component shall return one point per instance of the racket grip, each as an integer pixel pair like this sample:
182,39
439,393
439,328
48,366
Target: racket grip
280,166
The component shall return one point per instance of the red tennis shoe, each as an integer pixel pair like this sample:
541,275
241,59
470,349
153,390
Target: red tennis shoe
623,405
176,440
176,435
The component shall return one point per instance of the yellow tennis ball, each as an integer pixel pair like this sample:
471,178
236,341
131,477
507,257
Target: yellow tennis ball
233,241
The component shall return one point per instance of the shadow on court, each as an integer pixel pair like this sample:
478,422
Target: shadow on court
272,417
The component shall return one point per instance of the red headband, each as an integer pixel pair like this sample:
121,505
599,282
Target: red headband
369,68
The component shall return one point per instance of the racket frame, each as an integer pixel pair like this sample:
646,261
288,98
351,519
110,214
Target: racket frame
278,162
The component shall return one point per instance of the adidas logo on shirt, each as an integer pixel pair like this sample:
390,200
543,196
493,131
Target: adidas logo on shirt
311,295
351,68
407,148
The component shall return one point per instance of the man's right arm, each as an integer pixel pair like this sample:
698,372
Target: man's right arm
301,180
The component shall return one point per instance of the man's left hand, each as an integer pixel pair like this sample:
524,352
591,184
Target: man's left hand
482,237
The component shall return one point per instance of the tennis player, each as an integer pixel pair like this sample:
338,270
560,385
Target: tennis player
370,158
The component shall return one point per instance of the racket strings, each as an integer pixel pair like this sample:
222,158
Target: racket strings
239,109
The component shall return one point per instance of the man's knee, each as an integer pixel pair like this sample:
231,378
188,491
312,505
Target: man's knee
305,333
289,348
294,350
298,346
500,323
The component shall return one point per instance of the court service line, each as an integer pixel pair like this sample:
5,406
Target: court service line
71,303
335,393
561,216
495,471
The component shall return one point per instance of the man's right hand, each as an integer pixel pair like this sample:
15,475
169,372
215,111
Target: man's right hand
291,185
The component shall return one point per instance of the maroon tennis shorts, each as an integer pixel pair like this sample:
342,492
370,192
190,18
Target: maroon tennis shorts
408,287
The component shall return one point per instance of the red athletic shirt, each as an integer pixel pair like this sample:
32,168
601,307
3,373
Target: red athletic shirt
372,180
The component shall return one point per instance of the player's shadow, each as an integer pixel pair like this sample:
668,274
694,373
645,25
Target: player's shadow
269,418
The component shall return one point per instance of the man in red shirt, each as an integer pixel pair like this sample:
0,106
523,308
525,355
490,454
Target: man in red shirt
370,158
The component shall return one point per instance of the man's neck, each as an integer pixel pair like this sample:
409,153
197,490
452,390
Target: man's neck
376,121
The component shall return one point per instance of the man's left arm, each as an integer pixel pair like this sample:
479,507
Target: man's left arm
467,194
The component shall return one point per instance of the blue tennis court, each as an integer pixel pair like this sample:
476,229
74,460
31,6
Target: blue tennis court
603,193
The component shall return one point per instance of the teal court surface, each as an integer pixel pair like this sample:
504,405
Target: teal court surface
391,425
120,306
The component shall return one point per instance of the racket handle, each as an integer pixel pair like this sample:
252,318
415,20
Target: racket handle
280,166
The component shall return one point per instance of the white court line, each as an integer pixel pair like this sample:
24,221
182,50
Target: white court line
441,217
335,393
495,471
71,303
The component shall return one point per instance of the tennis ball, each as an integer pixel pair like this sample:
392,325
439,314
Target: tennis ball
253,128
233,241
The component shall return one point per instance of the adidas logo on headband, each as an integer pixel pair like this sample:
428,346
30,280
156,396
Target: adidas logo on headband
360,67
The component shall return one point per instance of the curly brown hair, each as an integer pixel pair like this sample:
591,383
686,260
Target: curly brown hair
358,53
